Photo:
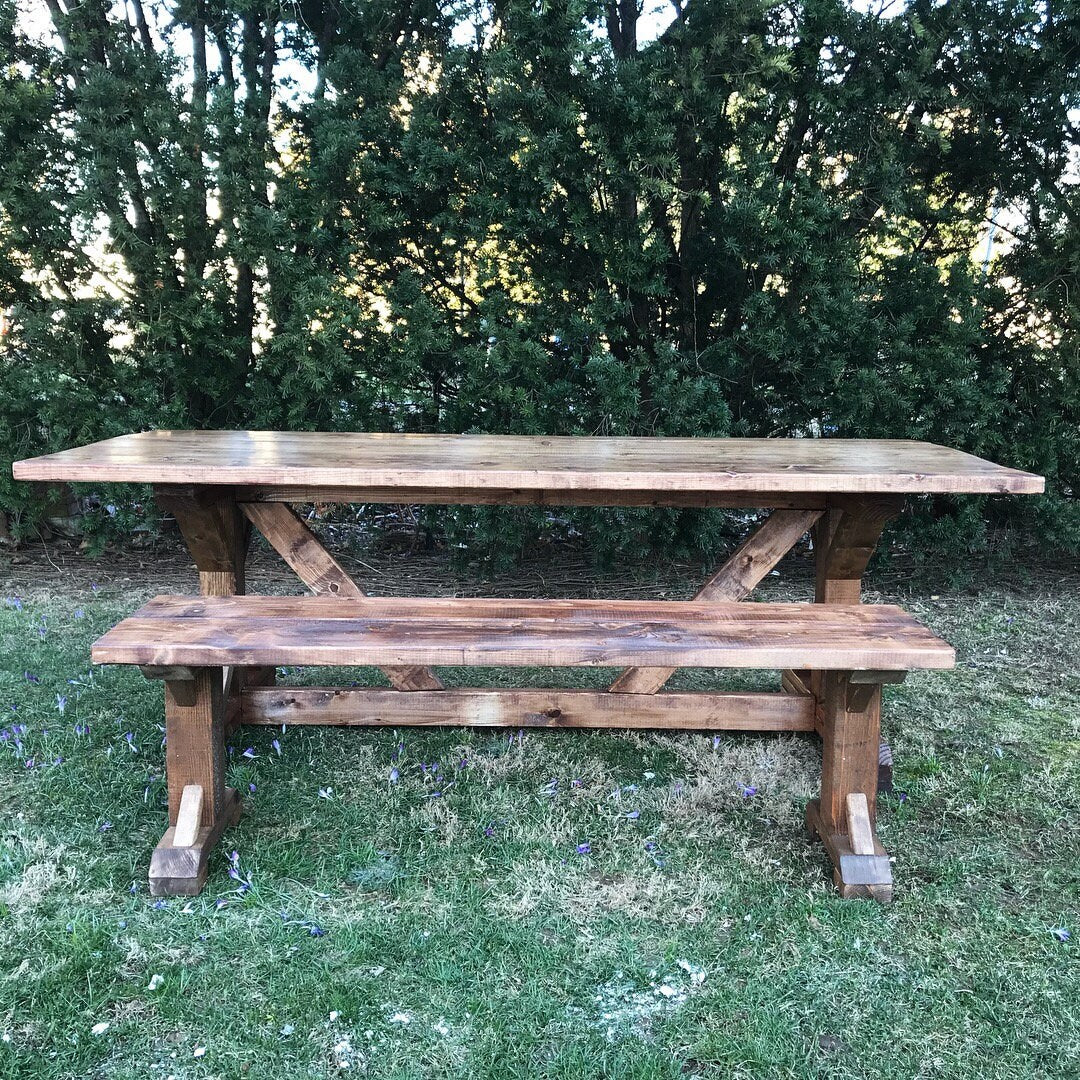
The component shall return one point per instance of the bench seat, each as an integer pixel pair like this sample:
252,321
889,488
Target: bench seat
217,657
314,630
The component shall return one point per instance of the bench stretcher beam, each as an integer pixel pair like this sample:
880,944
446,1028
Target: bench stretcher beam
373,706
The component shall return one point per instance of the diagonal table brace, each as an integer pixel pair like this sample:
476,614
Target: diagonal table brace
322,574
736,579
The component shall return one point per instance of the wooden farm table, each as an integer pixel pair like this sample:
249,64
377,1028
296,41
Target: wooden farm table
217,484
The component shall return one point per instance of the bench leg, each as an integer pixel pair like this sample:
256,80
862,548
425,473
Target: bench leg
201,807
845,815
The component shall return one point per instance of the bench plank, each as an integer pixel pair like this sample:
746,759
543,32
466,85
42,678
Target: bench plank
258,630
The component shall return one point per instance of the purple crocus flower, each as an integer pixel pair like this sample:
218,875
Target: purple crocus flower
749,792
633,815
249,752
394,775
31,677
1061,933
61,703
277,747
584,849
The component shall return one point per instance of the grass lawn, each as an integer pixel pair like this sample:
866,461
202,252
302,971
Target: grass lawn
497,904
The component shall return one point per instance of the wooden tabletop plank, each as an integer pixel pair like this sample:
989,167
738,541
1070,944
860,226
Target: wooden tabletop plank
464,463
268,630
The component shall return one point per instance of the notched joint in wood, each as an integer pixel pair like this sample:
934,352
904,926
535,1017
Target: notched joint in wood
169,672
861,677
860,696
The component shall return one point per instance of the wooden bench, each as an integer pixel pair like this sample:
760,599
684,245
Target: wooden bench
204,648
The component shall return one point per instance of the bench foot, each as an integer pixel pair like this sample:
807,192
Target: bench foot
178,869
861,867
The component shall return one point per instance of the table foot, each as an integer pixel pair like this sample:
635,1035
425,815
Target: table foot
861,868
178,864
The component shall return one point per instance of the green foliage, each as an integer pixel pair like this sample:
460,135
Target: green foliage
770,220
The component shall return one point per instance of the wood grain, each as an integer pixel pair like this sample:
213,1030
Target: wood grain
729,498
470,463
270,630
364,706
860,831
734,580
857,877
844,541
188,817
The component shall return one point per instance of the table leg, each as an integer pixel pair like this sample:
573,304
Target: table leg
201,807
217,535
845,538
845,815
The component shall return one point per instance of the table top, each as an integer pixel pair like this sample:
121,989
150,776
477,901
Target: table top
528,462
